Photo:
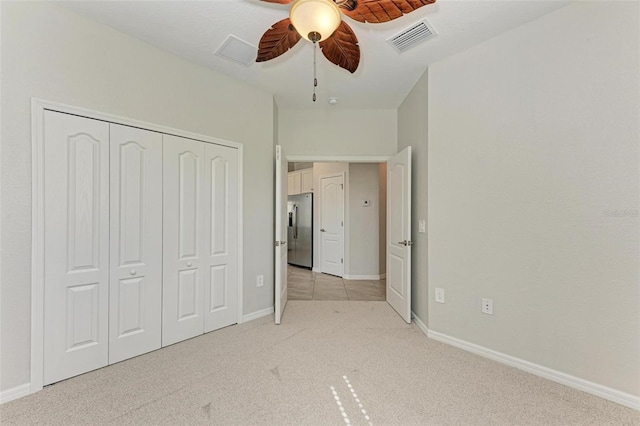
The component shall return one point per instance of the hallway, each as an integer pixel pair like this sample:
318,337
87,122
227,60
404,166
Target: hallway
303,284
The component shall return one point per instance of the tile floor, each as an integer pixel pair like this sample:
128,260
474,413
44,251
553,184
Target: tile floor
303,284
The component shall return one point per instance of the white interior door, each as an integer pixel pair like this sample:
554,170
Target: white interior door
221,228
399,233
76,245
332,225
281,233
135,291
184,239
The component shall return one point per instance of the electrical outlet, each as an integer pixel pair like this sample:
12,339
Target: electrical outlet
440,295
487,306
259,280
421,226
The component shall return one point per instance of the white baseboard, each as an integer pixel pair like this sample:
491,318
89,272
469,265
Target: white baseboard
422,326
316,269
596,389
258,314
15,393
364,277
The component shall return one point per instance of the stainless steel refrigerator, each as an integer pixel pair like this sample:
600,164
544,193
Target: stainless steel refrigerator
300,235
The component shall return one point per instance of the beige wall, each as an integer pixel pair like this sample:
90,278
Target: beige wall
412,131
534,193
50,53
364,222
336,132
382,223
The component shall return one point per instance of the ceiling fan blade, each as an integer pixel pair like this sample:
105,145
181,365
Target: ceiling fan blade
342,48
279,1
277,40
377,11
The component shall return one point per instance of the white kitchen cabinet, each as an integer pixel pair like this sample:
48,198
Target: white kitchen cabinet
306,181
300,182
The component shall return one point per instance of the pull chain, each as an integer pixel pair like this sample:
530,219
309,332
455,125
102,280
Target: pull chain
315,80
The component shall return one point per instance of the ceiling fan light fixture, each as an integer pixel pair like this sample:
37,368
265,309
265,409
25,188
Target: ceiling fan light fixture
315,20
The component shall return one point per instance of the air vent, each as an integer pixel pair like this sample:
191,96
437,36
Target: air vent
238,51
412,36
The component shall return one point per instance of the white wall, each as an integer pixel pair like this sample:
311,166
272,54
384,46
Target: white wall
364,241
320,169
335,132
50,53
413,132
534,193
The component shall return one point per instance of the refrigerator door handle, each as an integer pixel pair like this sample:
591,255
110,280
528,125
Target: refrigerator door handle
295,221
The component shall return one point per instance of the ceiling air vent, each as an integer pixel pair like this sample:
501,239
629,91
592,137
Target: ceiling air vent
238,51
412,36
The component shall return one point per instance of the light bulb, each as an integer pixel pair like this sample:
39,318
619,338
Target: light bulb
315,20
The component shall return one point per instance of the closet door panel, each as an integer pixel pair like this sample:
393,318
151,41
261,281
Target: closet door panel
76,172
184,239
135,309
221,271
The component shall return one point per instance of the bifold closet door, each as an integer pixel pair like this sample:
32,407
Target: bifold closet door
135,294
221,258
200,239
76,245
184,239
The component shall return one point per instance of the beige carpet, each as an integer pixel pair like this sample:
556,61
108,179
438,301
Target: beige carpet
329,363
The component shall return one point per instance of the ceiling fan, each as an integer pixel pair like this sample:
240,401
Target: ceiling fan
320,21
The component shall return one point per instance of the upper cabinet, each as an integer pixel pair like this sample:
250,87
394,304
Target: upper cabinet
306,180
300,182
293,183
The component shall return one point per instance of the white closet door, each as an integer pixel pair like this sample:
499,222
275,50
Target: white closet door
76,288
135,295
184,239
221,257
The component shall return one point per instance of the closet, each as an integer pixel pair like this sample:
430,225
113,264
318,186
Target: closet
140,241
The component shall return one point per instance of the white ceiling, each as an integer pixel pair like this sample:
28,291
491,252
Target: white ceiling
195,29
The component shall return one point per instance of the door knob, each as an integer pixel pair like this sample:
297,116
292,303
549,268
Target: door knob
132,272
189,264
322,230
406,243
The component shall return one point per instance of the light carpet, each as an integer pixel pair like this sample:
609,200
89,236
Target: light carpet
328,363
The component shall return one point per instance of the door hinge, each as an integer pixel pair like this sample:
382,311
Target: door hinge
341,260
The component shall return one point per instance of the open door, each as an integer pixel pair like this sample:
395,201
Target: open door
399,233
281,233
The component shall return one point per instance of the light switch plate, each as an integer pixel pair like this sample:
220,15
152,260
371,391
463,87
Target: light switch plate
422,226
440,295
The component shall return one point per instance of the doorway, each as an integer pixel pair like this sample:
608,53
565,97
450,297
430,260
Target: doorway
398,182
349,225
